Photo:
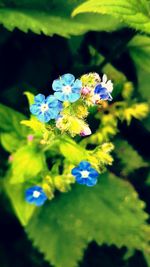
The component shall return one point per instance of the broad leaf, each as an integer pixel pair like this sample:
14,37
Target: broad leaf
108,213
27,163
52,18
134,13
139,48
129,159
16,193
10,141
10,120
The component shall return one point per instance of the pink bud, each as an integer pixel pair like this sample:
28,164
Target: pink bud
85,91
86,131
30,137
10,158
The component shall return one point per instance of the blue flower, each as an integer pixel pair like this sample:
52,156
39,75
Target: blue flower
35,195
45,109
67,88
103,89
85,174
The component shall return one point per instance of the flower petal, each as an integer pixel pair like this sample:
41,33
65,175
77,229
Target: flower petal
39,98
84,165
35,109
44,117
57,85
99,89
104,78
52,101
93,173
72,97
41,199
60,96
91,181
109,86
80,180
67,79
75,171
76,87
53,113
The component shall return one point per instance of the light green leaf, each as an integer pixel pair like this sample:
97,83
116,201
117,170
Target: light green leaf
72,151
139,49
134,13
34,124
10,121
27,163
10,141
109,213
129,159
52,18
16,193
30,97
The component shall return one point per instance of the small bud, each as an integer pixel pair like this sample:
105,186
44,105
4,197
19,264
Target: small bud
86,131
85,91
10,158
30,137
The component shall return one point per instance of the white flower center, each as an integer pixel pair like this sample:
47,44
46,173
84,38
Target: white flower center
36,194
66,89
44,107
84,174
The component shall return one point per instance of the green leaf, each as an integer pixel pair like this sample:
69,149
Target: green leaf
52,18
148,179
109,213
139,49
10,121
27,163
30,97
10,141
16,193
72,151
34,124
134,13
129,159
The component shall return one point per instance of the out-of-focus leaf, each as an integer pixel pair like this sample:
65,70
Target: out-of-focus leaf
71,221
148,179
30,97
139,48
138,111
37,126
134,13
129,159
16,193
10,141
10,120
73,151
52,17
27,163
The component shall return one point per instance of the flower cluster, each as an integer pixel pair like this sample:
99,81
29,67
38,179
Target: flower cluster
68,108
69,104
